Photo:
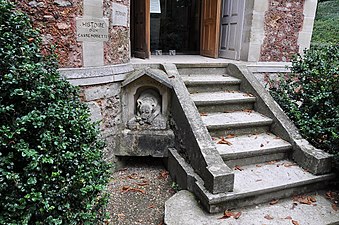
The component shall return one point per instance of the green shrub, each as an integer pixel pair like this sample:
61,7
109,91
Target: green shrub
310,96
326,24
51,166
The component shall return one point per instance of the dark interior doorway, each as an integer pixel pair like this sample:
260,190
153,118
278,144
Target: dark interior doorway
175,25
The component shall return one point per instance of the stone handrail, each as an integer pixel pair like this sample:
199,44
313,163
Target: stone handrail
198,147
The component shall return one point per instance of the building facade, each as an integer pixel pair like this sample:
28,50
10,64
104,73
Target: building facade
96,39
92,33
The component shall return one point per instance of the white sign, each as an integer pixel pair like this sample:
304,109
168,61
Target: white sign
155,6
119,14
92,29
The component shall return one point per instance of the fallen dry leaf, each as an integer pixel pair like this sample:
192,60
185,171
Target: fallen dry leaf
238,168
329,194
289,164
237,215
129,188
224,141
274,201
271,162
295,222
258,180
125,188
304,201
248,110
203,114
230,136
163,174
227,214
268,217
308,200
258,165
262,145
311,198
334,207
288,217
121,216
138,190
133,176
248,95
151,206
143,183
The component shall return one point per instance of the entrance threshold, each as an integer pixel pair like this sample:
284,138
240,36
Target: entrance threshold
180,59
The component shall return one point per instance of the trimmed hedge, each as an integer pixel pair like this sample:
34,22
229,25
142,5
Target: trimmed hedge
310,96
51,166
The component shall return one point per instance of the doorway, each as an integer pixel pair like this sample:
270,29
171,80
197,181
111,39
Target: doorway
176,26
186,26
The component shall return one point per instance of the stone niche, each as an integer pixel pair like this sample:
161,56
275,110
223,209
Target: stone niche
146,97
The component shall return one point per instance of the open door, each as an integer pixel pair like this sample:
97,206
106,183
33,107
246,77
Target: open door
231,28
140,28
210,26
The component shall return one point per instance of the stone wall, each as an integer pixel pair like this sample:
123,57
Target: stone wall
105,106
56,20
283,22
117,49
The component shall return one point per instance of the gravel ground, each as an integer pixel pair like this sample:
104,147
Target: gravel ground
138,193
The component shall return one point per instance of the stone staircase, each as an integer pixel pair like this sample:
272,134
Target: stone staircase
260,159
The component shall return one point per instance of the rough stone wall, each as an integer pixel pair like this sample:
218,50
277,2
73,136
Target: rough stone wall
105,106
116,50
283,22
56,21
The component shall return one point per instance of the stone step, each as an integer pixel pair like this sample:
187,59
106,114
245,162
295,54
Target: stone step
223,101
207,83
239,122
202,69
252,149
255,184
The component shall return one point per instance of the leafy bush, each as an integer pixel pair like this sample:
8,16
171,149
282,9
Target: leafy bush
310,96
51,167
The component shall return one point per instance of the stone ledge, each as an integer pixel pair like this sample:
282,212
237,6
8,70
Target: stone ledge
144,143
269,67
96,75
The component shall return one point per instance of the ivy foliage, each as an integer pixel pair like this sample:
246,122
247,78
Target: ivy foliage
310,96
51,166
